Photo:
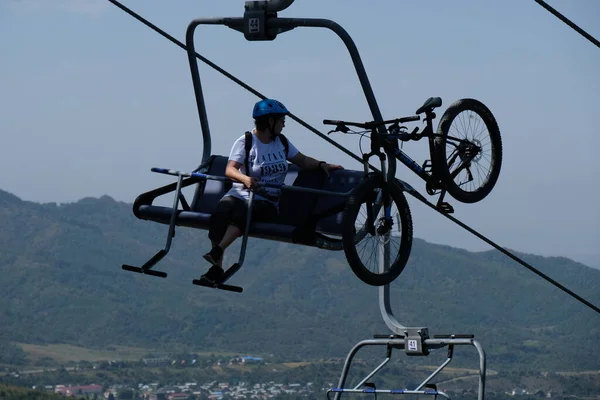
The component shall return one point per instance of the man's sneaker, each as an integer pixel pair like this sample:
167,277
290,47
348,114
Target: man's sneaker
214,256
214,274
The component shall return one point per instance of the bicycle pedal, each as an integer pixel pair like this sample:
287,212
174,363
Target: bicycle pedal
445,208
427,166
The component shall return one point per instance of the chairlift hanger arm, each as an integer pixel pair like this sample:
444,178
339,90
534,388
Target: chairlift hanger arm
236,24
281,24
350,45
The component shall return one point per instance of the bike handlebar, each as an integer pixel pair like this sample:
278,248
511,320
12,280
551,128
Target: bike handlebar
370,124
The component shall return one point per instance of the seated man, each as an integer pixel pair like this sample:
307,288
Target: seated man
251,164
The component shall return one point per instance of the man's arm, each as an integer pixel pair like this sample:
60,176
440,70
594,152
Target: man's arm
232,171
306,162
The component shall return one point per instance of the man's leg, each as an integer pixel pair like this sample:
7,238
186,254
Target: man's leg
226,221
232,233
215,256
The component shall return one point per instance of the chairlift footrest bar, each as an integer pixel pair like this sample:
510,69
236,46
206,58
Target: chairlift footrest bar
147,267
141,270
132,268
207,283
159,274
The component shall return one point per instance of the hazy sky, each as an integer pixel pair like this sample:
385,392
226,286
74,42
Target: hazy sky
90,100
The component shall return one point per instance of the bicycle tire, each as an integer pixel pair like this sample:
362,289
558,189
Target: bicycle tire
495,142
363,193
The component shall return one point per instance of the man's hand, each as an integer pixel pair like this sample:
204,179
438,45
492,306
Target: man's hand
250,183
330,167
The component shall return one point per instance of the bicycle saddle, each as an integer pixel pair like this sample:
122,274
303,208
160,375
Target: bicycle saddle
430,104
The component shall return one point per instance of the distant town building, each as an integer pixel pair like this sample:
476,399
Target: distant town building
70,391
178,396
252,360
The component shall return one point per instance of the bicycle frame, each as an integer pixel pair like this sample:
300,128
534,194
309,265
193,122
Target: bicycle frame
389,143
409,162
429,171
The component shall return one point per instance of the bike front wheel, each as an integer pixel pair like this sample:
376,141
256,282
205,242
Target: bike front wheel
468,150
377,248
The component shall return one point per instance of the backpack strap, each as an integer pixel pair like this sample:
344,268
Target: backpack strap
247,146
285,143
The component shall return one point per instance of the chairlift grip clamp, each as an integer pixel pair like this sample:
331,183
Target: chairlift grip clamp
256,15
414,339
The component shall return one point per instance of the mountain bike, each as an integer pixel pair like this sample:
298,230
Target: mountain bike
465,161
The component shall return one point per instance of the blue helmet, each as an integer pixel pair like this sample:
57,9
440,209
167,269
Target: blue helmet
268,107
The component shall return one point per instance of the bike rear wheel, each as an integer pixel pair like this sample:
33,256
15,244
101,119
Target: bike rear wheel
468,150
369,249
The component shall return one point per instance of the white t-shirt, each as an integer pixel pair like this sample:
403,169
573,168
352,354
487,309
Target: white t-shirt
267,162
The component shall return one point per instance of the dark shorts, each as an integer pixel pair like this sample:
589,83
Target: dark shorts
232,211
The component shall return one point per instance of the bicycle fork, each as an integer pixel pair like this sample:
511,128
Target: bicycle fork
374,205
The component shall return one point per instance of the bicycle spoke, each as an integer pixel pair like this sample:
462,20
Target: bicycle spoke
469,129
369,245
469,150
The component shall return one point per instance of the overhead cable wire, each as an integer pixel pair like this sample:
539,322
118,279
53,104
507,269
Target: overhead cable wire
568,22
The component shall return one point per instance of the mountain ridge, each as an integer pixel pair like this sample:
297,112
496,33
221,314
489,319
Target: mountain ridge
109,200
63,284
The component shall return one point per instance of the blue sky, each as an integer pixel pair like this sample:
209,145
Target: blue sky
91,100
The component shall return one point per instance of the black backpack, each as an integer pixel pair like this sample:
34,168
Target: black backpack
248,146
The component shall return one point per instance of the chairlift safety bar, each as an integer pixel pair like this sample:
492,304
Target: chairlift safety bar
271,185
